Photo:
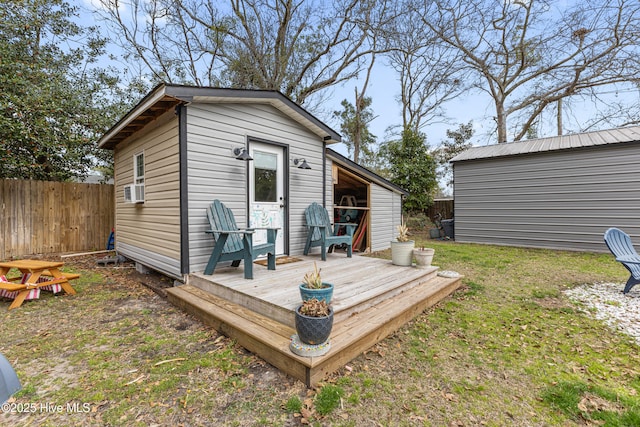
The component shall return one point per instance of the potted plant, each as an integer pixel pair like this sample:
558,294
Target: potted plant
314,320
312,286
402,247
423,256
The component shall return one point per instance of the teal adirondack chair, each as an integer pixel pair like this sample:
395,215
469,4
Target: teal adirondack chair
320,233
233,244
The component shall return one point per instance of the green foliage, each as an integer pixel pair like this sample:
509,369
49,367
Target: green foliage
457,142
328,399
354,125
294,404
54,99
412,168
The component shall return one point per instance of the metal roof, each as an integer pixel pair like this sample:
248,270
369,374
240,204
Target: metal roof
554,143
164,97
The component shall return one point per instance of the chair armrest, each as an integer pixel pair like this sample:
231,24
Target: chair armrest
264,228
317,225
246,231
629,259
351,227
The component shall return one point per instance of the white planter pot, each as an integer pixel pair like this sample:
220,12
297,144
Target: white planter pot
423,257
402,253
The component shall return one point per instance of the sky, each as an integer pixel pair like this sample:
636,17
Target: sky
384,90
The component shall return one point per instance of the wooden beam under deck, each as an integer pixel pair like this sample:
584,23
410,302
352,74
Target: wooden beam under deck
351,335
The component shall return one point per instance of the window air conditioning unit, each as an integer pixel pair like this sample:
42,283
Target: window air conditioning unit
134,193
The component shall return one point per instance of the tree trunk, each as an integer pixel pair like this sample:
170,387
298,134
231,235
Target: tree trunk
501,121
559,117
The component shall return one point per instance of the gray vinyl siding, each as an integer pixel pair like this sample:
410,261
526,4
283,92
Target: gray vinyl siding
397,213
152,259
382,217
328,183
213,131
562,199
150,233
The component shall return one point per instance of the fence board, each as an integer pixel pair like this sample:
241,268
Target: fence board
442,206
38,217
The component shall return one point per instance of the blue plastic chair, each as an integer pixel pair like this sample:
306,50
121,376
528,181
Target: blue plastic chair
619,243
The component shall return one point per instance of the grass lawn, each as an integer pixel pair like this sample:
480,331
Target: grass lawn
507,349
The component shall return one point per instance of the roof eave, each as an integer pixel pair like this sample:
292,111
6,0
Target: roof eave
185,94
366,173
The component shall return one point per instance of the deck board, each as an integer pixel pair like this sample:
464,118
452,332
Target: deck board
372,299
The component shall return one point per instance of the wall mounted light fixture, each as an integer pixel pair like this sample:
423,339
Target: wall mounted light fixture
241,153
301,163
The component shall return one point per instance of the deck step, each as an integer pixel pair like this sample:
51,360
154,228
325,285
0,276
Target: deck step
269,339
376,284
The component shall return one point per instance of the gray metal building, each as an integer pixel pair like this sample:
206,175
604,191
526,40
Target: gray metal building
559,192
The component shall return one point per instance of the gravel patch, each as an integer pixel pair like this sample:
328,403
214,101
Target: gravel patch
606,302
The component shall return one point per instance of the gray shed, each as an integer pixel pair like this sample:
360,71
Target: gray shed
560,192
176,151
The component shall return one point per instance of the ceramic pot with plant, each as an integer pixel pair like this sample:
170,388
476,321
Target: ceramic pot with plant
402,247
314,321
312,286
423,256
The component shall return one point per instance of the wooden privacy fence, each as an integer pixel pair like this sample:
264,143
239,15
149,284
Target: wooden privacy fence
442,206
40,217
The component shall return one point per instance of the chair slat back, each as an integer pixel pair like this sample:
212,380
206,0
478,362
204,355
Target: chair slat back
620,245
317,215
221,218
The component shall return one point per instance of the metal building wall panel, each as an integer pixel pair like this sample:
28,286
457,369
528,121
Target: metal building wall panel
562,199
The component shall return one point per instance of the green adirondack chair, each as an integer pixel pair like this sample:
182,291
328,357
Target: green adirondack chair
320,233
234,244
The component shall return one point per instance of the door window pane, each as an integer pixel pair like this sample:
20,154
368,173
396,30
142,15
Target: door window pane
266,179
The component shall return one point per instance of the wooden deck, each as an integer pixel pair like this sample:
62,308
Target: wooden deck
372,299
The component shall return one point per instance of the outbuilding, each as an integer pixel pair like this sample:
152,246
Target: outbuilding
560,192
257,151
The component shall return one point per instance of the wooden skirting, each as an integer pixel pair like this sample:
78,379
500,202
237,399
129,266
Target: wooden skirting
353,333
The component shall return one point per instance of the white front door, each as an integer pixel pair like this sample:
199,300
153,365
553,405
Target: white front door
266,192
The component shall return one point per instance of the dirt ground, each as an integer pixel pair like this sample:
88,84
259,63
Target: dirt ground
120,349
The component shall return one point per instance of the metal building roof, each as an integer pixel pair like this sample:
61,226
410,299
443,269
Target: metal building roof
554,143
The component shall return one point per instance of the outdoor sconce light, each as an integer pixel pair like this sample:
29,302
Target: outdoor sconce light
242,154
9,382
303,163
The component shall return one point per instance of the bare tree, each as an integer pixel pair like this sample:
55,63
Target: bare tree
529,54
162,41
429,71
296,46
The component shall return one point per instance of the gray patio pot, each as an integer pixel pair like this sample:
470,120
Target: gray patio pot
313,330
